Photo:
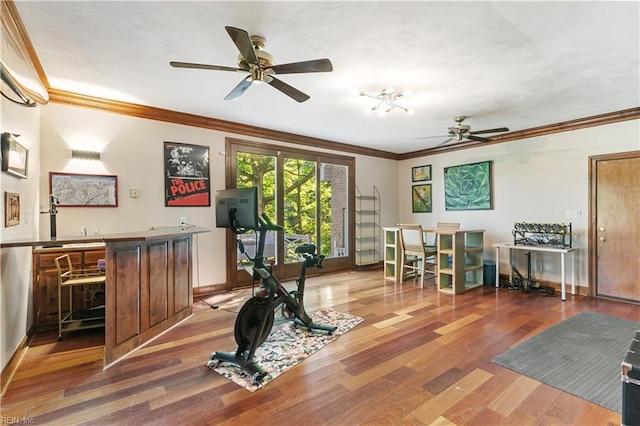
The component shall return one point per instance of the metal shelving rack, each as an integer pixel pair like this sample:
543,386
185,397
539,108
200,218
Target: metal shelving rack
367,227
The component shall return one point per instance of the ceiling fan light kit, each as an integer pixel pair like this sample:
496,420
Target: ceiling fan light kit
259,65
387,101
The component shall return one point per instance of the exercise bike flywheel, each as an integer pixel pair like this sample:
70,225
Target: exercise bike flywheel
249,319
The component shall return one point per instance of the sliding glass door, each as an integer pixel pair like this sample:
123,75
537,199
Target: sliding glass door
309,194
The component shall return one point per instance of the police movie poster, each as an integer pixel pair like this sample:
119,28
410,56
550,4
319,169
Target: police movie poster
186,175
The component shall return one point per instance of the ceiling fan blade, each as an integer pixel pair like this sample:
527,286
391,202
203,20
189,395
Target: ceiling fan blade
204,66
433,137
499,129
243,42
288,90
444,142
477,138
316,65
239,89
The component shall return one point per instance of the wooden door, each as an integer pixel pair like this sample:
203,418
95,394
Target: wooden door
614,230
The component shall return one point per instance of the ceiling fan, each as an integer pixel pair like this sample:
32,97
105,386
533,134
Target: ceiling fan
259,65
460,132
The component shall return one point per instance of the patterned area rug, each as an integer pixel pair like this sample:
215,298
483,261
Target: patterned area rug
288,345
581,356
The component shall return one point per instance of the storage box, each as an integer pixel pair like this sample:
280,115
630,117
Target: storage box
631,384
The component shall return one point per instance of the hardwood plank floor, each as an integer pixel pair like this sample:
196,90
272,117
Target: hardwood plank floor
420,357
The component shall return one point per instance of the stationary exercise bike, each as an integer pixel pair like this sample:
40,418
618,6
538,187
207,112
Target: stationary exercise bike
255,318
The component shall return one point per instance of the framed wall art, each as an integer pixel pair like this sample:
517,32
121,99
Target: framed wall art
80,190
15,157
421,198
186,175
420,173
468,187
11,209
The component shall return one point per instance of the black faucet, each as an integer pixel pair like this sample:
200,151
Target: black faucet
53,211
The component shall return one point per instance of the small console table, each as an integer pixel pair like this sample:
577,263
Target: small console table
541,248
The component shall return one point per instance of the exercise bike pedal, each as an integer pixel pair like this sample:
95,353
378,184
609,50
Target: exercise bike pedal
213,361
314,326
257,377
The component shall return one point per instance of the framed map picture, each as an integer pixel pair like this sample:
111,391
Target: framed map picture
77,190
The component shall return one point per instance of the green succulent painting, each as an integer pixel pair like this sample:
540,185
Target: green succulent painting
468,187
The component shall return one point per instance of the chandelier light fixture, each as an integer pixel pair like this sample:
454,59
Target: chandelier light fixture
387,101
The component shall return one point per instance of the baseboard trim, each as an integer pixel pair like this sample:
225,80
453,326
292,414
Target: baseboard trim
207,290
12,366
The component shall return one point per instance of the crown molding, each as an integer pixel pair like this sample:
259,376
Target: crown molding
565,126
159,114
11,19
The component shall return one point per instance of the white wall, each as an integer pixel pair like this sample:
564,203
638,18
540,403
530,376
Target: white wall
16,299
133,150
382,174
534,180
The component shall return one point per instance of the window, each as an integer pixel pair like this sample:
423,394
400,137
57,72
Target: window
308,193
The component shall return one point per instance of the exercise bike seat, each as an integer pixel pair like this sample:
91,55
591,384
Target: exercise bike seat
306,249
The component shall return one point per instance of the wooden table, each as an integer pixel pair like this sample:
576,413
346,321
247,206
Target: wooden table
546,249
460,251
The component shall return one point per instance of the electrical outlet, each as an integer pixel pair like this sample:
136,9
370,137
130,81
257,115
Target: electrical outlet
182,221
571,214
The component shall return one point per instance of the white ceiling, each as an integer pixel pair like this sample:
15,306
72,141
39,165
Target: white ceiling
514,64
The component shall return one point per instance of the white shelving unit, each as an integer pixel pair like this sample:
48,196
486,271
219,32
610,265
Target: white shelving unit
460,260
392,253
367,227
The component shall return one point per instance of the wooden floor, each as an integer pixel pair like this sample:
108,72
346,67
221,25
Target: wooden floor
420,357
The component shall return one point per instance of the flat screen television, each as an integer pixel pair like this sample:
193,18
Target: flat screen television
237,208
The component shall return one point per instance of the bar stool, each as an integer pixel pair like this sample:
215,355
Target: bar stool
86,281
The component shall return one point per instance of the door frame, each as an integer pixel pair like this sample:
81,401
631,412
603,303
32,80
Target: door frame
330,264
593,214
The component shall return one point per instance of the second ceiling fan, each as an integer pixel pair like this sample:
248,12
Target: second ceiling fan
259,65
461,132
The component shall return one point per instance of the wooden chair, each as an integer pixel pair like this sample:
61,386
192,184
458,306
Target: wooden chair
415,255
449,225
444,225
87,282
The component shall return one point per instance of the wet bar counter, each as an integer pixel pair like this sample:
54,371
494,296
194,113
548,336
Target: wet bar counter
149,283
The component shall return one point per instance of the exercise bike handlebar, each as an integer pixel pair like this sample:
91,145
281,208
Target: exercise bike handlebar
267,225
